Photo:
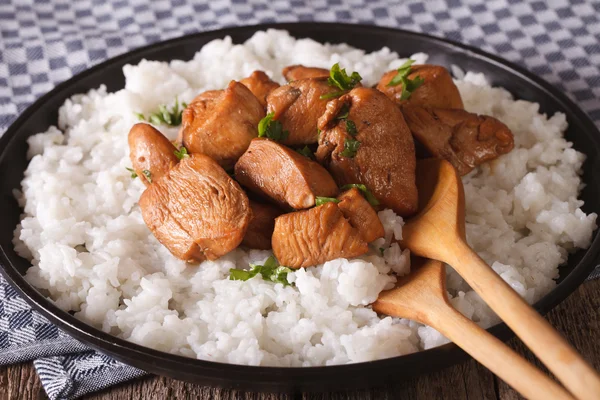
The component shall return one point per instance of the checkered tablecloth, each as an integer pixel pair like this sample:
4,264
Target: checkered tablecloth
45,42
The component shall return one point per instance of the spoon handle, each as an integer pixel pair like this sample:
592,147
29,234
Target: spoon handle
537,334
494,354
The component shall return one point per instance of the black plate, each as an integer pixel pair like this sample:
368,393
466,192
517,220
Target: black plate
521,83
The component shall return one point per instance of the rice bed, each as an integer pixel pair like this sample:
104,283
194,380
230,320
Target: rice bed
92,253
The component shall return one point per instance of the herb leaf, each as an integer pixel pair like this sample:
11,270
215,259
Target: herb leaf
270,271
351,127
344,111
181,153
351,146
332,95
271,128
338,78
343,116
401,77
148,175
165,116
319,201
306,152
365,191
133,173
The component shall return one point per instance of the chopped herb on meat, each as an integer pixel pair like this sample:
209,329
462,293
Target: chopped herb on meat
351,146
319,201
351,127
338,78
365,192
181,153
408,85
271,128
344,111
306,152
148,175
343,116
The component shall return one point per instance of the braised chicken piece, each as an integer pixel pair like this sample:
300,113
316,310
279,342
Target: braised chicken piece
196,210
221,123
151,153
365,139
438,88
260,230
361,215
298,106
283,175
296,72
465,139
311,237
260,85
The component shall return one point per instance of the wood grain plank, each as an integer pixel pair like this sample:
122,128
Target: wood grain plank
578,318
20,381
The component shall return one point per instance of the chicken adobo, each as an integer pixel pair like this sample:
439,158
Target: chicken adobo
421,85
221,123
311,237
295,72
361,215
298,105
282,175
308,207
152,155
364,139
260,230
260,85
465,139
196,210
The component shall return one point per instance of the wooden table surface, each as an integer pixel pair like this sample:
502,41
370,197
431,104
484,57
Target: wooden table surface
577,318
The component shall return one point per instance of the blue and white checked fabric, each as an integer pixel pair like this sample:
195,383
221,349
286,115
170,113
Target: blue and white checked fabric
45,42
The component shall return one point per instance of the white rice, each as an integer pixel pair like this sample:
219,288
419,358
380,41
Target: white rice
92,253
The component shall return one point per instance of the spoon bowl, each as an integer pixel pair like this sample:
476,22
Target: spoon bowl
421,296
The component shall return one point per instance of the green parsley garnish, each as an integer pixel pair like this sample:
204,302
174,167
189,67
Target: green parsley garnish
181,153
351,146
381,250
332,95
343,116
401,77
306,152
133,173
148,175
366,192
164,116
344,111
351,127
319,201
271,128
270,271
338,78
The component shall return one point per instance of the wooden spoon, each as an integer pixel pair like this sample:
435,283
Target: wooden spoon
421,296
438,232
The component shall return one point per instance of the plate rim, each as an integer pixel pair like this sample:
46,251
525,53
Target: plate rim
98,340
